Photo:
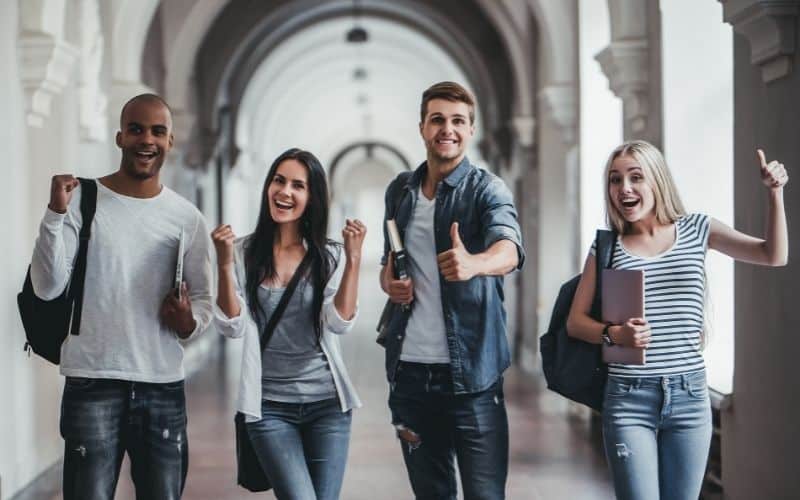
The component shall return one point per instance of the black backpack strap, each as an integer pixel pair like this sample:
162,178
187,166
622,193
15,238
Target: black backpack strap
287,294
399,192
604,250
88,209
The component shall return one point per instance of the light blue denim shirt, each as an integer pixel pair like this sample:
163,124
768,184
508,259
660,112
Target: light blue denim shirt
474,315
244,326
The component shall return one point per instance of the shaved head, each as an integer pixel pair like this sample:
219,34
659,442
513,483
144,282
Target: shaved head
144,98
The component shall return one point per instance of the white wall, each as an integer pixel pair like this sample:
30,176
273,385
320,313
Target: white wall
28,421
601,118
30,388
698,145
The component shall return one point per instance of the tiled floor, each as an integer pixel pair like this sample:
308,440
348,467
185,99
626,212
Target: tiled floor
553,455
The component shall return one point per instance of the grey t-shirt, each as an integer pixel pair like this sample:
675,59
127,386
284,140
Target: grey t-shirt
426,338
293,367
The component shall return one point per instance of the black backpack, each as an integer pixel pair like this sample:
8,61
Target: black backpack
47,322
572,367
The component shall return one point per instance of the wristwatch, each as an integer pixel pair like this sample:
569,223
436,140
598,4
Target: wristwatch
606,337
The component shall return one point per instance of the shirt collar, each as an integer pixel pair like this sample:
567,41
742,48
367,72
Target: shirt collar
452,179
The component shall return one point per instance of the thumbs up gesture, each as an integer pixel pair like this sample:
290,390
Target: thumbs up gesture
773,174
457,264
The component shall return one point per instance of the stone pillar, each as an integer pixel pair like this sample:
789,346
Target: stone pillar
519,297
632,63
526,187
760,440
557,221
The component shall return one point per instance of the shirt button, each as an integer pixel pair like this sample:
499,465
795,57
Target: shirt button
399,337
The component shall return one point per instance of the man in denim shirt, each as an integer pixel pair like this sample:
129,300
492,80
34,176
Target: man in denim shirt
445,355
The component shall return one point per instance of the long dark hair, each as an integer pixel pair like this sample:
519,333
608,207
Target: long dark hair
259,264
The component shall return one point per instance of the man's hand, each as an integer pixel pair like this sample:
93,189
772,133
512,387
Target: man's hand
176,313
457,264
399,291
61,187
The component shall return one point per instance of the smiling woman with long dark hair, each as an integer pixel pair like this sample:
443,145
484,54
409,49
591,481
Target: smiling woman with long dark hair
296,394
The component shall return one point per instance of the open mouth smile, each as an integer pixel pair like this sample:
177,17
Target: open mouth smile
629,203
146,156
283,205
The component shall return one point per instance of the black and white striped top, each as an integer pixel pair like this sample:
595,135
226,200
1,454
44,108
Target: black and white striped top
674,292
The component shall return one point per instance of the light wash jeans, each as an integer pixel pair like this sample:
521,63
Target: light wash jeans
302,448
657,433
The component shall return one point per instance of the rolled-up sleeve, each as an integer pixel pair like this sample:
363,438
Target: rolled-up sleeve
236,326
331,319
499,217
230,327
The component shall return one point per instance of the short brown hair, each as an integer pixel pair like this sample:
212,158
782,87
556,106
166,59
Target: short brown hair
449,91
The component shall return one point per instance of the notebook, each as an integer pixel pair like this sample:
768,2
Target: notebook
179,268
622,293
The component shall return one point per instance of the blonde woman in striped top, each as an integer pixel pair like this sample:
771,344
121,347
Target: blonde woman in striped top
657,417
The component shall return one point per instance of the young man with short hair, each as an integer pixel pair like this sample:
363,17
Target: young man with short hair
445,355
124,370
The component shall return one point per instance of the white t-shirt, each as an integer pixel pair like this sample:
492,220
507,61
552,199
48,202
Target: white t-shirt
130,268
426,340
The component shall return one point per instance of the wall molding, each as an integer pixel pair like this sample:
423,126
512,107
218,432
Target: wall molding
45,68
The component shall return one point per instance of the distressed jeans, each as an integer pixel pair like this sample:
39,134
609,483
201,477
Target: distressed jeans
435,426
302,447
102,419
657,433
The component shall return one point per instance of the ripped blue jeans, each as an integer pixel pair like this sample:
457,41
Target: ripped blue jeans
103,419
657,433
436,426
302,447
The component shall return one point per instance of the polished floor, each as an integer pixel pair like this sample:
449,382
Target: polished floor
555,453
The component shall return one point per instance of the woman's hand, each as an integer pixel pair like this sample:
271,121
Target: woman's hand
223,238
353,236
773,174
633,333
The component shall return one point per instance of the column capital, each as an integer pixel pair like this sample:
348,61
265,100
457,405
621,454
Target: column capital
524,128
626,64
559,101
46,63
770,27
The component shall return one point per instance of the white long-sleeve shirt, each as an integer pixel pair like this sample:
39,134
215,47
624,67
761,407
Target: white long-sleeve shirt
130,268
244,325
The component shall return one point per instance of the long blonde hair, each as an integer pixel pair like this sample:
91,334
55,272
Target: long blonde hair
668,204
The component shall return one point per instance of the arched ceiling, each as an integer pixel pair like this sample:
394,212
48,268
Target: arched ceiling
498,44
245,33
306,94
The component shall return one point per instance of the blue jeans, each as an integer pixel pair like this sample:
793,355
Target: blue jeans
102,419
302,448
434,426
657,433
